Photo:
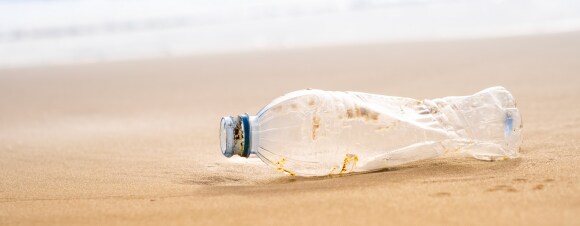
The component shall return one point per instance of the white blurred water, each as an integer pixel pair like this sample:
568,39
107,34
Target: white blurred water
41,32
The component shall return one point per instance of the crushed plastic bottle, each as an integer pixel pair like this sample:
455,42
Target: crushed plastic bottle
316,132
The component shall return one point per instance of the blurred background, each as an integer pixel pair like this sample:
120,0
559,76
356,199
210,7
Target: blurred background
44,32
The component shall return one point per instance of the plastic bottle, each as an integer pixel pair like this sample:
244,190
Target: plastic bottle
316,132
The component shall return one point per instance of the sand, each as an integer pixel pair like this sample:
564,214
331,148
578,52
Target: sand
136,143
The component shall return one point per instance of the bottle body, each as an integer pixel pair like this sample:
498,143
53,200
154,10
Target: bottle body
315,132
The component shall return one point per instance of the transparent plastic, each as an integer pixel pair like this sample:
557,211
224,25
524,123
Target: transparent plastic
316,132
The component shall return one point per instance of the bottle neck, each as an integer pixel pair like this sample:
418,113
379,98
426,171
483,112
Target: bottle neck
236,135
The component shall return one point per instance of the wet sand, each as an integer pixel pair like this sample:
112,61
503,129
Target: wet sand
136,143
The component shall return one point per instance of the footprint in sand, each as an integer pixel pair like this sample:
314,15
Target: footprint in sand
504,188
442,194
520,180
538,187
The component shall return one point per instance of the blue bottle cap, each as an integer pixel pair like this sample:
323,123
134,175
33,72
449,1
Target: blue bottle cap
235,136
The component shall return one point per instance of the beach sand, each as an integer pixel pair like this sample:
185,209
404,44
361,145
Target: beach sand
136,142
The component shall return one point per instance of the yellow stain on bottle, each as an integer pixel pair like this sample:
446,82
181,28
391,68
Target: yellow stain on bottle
349,163
280,167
